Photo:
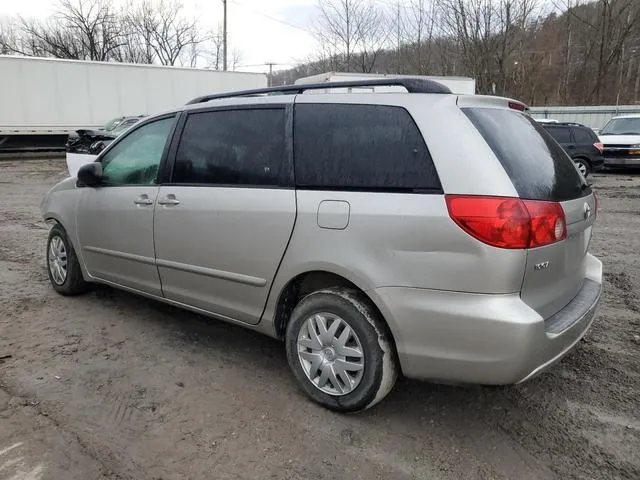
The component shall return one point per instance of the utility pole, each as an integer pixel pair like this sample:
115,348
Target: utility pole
270,73
224,36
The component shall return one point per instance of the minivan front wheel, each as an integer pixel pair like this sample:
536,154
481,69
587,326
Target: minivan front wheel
583,166
62,264
340,351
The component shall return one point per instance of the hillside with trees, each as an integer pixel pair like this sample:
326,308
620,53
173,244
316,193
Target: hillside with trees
570,52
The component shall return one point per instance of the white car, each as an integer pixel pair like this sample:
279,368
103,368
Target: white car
621,139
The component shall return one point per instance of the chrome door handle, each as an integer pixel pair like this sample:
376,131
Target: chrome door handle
143,200
170,199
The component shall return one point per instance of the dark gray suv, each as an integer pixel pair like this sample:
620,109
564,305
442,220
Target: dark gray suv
581,144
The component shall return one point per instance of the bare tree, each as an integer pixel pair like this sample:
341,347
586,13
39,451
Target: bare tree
163,31
138,24
397,32
419,29
236,58
94,24
212,50
352,30
85,29
9,42
488,33
613,23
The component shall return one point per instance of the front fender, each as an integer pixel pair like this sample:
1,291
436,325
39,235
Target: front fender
60,205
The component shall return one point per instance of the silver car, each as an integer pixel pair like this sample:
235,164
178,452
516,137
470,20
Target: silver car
423,233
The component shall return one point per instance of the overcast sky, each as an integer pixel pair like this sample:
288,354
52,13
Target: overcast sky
258,28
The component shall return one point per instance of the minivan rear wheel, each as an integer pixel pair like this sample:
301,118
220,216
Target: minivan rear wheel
340,350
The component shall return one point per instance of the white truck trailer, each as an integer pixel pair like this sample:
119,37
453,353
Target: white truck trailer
44,96
459,85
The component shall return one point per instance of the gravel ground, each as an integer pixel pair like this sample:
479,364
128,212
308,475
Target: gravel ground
112,386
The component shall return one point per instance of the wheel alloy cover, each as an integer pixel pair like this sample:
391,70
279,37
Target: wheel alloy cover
330,353
57,260
582,167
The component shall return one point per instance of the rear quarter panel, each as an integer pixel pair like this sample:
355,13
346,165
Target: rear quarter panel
408,240
392,240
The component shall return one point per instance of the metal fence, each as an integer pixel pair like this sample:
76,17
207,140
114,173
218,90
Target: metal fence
594,117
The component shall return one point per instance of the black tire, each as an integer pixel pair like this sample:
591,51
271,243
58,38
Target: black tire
581,163
380,363
74,283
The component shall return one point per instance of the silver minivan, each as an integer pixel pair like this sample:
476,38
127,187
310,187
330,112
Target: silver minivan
438,236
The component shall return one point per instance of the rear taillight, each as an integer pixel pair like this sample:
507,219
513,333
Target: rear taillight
599,146
506,222
521,107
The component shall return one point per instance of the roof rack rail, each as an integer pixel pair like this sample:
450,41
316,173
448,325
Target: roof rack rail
413,85
567,124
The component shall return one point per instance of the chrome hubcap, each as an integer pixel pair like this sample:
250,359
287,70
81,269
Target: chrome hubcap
331,354
57,260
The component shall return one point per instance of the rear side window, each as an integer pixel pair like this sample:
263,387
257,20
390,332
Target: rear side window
560,134
361,147
233,147
537,166
584,135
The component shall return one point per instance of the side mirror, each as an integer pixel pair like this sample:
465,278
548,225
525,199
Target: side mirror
89,175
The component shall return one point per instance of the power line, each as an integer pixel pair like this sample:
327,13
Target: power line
266,15
265,64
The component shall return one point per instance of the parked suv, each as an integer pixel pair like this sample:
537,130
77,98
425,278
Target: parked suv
581,144
439,236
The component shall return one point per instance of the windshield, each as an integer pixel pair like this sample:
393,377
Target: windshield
622,126
118,129
111,124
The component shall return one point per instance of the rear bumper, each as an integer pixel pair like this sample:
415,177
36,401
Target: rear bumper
486,339
597,163
618,162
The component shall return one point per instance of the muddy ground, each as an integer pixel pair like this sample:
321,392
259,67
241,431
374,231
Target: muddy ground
112,386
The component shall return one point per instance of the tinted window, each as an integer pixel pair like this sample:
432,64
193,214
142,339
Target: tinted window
584,135
136,158
537,166
360,147
561,134
233,147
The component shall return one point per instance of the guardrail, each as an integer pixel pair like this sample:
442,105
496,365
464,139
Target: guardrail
592,116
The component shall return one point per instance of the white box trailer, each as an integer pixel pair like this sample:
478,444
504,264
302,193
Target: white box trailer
44,96
459,85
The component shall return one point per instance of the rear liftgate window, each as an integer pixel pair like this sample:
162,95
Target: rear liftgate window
536,164
361,147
